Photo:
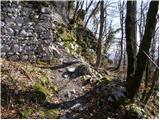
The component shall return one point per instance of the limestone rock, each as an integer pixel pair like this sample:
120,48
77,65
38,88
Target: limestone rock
70,69
78,107
24,29
14,57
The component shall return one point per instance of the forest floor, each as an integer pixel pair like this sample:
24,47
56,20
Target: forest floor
46,91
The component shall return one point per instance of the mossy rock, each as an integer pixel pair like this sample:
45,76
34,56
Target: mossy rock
27,112
52,114
104,80
135,112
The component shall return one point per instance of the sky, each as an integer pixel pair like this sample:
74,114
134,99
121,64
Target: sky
114,17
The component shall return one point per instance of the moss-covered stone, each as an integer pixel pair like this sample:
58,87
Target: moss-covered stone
104,80
135,112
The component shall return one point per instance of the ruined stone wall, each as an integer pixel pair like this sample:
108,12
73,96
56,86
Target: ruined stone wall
27,33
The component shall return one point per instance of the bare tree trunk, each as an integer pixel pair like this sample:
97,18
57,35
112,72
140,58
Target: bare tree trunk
155,79
121,9
141,20
97,25
131,37
149,67
133,83
145,81
99,46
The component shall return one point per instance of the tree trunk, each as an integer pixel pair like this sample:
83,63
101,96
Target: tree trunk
145,81
122,32
131,37
155,79
133,84
99,46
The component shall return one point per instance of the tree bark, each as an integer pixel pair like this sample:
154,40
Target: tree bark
133,83
145,81
131,37
121,10
155,79
99,46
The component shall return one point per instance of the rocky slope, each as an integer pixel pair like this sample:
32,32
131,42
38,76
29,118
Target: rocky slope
47,67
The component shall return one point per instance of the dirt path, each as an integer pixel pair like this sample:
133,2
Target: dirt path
72,94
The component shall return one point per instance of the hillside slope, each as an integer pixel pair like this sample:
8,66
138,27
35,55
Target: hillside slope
47,67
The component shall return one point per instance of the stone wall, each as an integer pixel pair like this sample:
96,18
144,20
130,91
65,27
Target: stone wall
27,33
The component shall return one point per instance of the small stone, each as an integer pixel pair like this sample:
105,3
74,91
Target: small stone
3,54
73,91
68,94
5,48
87,77
45,10
70,69
32,59
65,76
39,28
9,31
10,53
2,24
78,107
45,35
15,48
24,57
45,17
55,52
19,20
36,16
23,33
14,57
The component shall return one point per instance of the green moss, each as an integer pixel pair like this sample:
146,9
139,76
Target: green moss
90,56
54,88
52,114
27,112
44,80
41,91
66,35
55,61
60,30
104,80
134,111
